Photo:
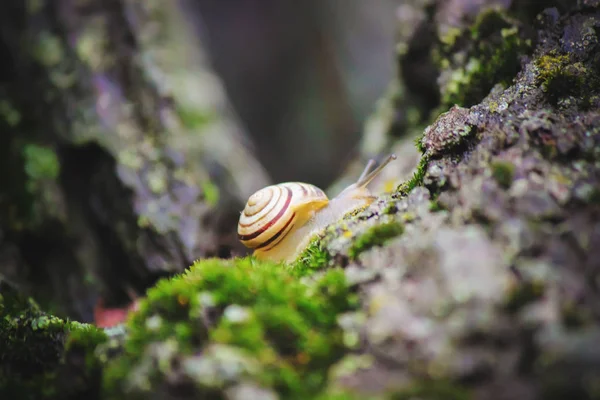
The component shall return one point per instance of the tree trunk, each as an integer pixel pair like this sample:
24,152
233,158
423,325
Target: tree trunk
122,161
477,278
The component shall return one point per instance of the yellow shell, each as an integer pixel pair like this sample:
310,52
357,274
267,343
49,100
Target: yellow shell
274,211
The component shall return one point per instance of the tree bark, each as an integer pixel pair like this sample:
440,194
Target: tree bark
490,291
476,278
122,160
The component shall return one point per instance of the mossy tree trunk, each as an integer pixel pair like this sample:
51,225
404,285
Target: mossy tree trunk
477,278
120,159
490,289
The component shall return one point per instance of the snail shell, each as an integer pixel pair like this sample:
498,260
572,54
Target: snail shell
274,211
279,220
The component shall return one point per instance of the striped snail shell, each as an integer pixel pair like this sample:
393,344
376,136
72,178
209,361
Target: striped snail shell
272,212
278,220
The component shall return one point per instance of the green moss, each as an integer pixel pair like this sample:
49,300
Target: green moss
416,180
91,45
32,353
312,258
9,113
211,193
49,50
86,347
451,35
235,311
193,118
87,338
550,66
491,57
457,89
375,236
503,172
40,162
419,142
41,168
435,206
560,77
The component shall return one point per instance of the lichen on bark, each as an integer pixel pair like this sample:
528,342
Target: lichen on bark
474,279
112,172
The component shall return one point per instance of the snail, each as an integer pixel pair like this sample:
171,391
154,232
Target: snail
279,220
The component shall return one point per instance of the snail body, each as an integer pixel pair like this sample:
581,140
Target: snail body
279,220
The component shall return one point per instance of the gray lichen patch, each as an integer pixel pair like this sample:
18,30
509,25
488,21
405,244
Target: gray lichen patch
449,131
500,259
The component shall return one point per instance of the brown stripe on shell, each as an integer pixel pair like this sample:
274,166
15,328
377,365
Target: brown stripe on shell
304,191
273,205
283,235
275,236
256,233
264,201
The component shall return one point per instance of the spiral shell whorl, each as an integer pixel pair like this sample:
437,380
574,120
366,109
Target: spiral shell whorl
270,213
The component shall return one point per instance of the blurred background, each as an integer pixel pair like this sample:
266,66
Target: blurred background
302,76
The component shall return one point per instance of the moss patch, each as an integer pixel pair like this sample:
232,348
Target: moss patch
40,162
7,112
32,353
211,193
492,47
32,340
48,50
312,258
258,318
503,172
193,118
375,236
561,77
550,65
416,180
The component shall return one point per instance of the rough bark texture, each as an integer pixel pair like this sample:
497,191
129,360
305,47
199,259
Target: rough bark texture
476,279
494,288
121,161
